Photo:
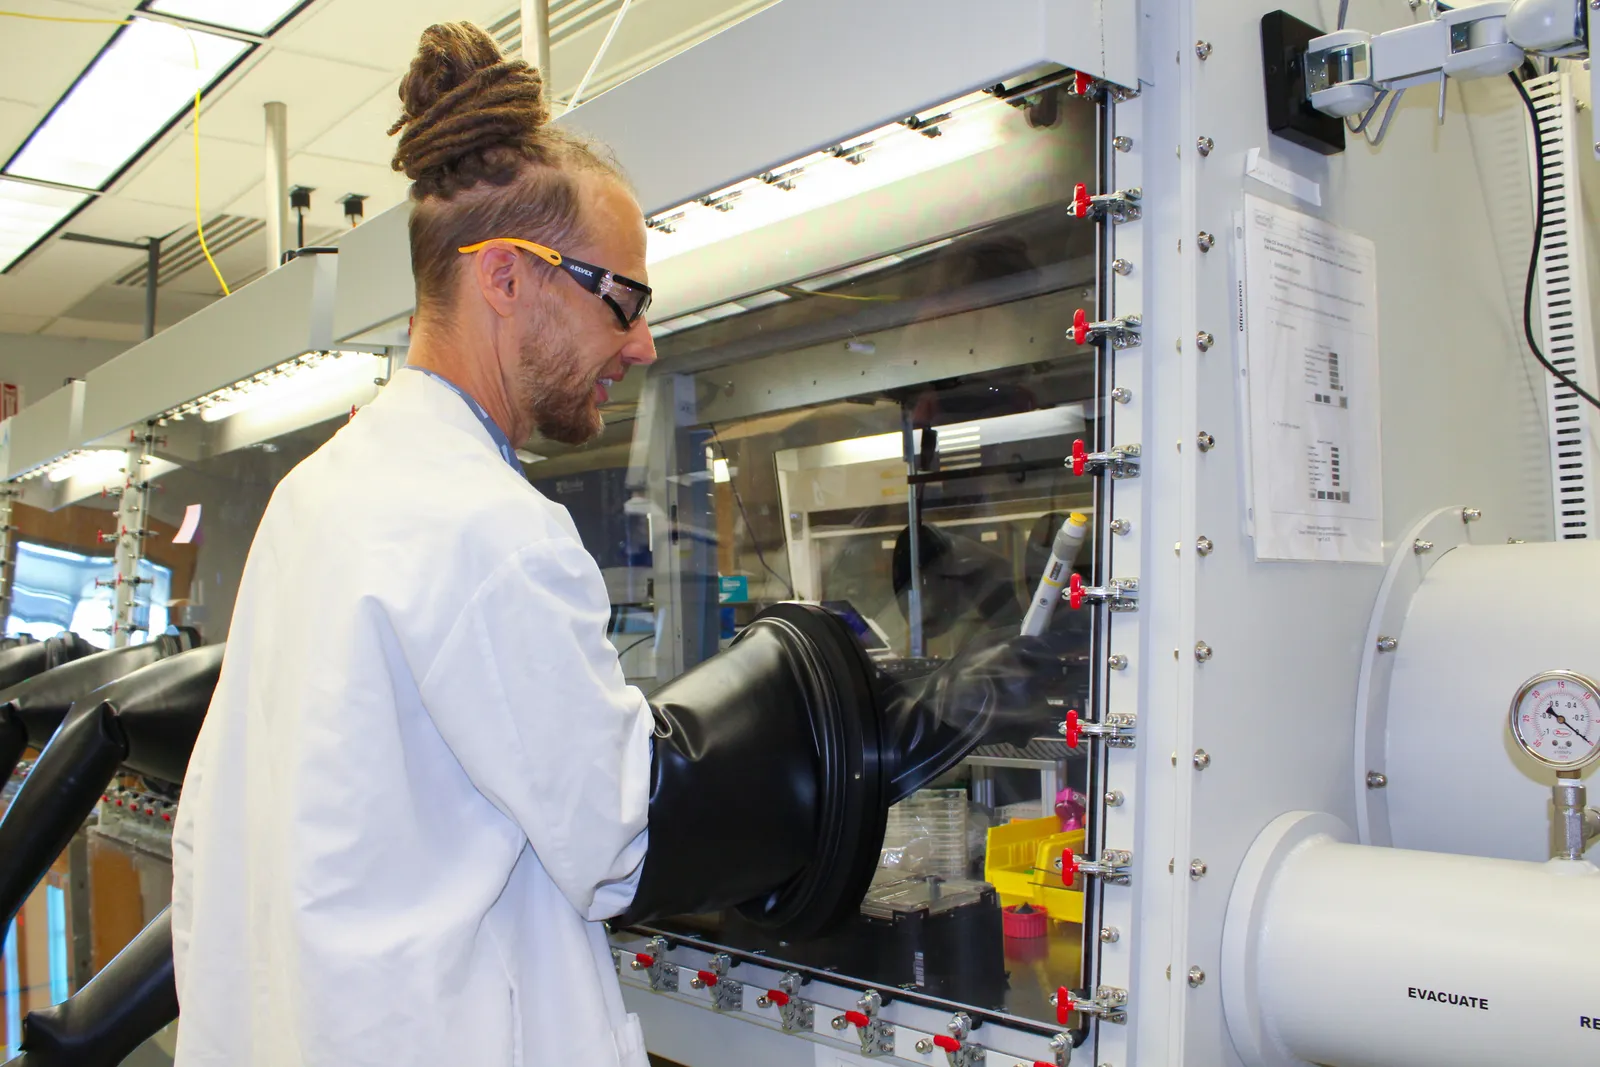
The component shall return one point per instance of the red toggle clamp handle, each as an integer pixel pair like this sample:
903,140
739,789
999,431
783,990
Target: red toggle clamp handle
857,1019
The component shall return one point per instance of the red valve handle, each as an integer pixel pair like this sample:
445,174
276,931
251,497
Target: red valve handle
1080,458
1080,327
1080,201
707,977
1075,592
645,959
778,997
1072,726
1063,1003
1082,83
946,1042
857,1019
1069,867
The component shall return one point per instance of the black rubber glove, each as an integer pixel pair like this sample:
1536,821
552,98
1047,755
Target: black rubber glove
994,692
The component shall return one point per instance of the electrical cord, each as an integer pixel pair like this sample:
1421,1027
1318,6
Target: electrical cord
199,226
739,500
636,644
1533,257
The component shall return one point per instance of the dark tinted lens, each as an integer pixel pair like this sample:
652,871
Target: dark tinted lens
632,298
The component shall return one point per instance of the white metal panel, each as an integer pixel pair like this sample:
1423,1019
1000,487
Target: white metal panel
281,315
1273,706
783,83
44,430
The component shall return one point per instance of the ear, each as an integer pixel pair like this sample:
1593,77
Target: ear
497,273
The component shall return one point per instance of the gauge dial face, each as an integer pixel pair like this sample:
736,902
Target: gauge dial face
1554,719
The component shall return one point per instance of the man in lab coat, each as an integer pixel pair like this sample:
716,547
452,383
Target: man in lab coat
423,780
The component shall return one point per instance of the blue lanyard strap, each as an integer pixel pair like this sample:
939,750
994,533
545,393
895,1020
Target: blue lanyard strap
496,434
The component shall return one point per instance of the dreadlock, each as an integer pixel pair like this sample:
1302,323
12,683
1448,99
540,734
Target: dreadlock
482,158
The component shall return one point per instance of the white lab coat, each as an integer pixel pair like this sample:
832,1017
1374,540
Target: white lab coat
422,781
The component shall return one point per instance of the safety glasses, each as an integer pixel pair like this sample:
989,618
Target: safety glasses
627,298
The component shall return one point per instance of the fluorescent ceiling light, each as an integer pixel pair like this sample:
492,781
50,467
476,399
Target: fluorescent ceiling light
28,213
144,78
719,471
294,384
251,16
881,157
95,463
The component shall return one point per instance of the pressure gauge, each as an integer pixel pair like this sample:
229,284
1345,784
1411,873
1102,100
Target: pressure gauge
1556,719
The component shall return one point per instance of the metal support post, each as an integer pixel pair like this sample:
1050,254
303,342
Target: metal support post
81,962
277,182
152,278
908,438
8,564
130,535
536,37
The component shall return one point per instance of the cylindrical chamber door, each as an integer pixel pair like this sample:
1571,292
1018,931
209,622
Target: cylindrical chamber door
1484,620
1350,955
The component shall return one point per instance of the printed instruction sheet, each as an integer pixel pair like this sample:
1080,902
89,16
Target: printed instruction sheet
1310,367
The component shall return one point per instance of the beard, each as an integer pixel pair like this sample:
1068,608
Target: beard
556,391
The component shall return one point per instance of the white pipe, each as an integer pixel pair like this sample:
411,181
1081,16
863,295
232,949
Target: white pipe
536,37
594,64
1357,956
277,182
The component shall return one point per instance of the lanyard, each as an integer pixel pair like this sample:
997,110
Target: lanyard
496,434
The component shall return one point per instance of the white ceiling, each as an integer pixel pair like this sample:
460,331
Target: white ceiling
337,65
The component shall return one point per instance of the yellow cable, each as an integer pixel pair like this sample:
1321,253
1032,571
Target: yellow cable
58,18
199,226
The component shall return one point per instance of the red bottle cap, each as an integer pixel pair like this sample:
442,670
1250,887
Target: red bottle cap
1023,920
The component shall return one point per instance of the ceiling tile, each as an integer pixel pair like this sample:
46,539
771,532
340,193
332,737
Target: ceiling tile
17,120
122,306
167,177
353,31
132,332
123,218
363,134
60,274
10,322
318,93
39,60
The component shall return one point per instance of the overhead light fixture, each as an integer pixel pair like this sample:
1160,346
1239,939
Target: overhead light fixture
961,128
138,86
92,463
27,215
306,379
249,16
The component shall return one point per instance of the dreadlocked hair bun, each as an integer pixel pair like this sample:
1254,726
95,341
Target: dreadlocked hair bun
469,115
